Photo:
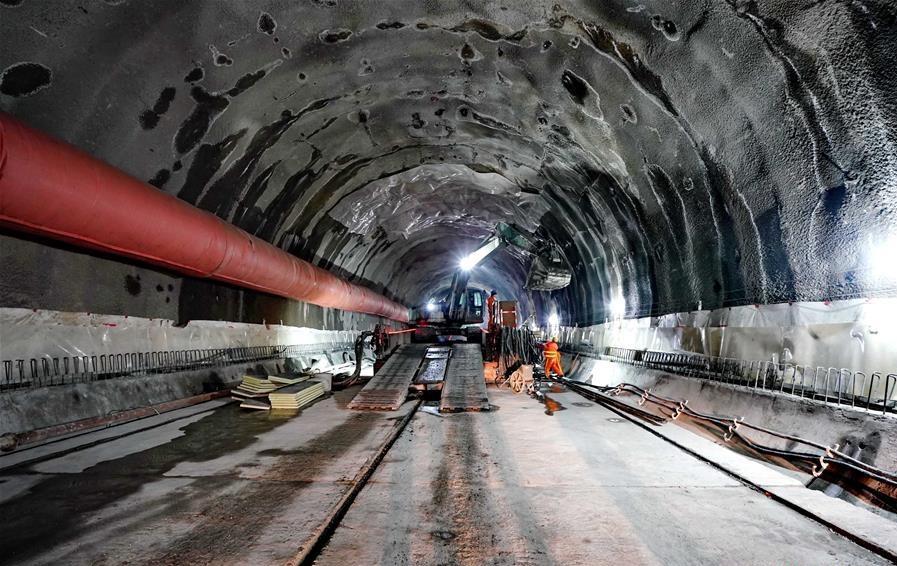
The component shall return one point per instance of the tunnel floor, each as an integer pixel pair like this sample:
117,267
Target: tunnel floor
512,486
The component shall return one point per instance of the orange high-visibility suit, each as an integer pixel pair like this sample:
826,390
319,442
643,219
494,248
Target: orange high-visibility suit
490,308
552,359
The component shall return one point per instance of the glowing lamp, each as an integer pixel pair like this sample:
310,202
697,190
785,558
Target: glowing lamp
617,307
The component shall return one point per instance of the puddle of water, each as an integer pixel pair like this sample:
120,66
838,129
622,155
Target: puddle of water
551,406
80,460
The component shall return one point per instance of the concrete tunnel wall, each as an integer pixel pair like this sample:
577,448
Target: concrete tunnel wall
680,153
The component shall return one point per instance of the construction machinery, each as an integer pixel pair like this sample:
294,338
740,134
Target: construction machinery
548,271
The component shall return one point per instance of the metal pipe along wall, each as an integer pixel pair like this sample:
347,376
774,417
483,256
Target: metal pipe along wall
52,189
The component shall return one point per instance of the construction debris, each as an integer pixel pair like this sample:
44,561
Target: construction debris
432,410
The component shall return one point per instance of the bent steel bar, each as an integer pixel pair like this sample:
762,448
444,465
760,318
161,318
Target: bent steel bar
54,190
835,386
45,371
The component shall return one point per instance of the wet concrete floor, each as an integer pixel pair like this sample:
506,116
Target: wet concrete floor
580,486
512,486
224,487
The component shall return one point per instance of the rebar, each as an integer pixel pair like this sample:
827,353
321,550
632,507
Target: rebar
47,371
830,385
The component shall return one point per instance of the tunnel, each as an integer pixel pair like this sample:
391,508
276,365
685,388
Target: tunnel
249,252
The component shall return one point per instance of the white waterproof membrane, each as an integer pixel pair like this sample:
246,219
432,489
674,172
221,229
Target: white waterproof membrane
28,334
853,334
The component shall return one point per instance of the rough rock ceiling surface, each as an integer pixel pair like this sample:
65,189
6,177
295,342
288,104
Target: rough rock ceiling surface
680,152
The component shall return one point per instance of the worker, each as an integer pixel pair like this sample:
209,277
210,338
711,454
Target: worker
491,308
552,358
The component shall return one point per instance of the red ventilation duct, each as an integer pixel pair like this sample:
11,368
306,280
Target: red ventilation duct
49,188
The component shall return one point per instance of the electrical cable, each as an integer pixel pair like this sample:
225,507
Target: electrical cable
829,456
609,401
342,381
724,421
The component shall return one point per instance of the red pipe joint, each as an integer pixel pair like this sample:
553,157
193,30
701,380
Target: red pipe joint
50,188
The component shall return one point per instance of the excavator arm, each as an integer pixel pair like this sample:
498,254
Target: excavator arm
548,270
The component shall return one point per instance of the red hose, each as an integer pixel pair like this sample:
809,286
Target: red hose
391,332
50,188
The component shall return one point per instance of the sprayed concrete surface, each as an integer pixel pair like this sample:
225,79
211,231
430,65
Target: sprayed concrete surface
223,487
581,486
680,153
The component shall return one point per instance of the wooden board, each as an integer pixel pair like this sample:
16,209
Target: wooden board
240,393
464,388
294,389
254,393
299,395
508,310
257,389
386,391
288,380
255,405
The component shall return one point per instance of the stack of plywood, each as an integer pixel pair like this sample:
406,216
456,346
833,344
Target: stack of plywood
253,388
287,380
296,396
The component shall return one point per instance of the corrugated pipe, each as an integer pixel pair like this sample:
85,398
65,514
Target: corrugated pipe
52,189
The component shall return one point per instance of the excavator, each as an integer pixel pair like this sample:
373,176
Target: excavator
548,271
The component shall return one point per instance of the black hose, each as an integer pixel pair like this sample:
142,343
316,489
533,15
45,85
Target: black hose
726,421
342,381
836,457
610,402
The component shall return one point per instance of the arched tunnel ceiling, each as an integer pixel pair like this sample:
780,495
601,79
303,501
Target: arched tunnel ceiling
680,153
